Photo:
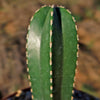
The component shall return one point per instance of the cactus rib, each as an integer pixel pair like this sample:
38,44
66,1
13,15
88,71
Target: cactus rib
51,23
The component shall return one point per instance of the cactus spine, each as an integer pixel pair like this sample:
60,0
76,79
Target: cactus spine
51,52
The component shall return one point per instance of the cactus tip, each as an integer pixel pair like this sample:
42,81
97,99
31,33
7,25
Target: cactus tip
43,6
30,84
76,27
73,19
50,80
77,54
77,63
26,61
27,69
52,6
18,93
74,85
77,37
50,72
51,95
71,97
51,87
28,27
78,46
68,11
37,10
31,19
29,77
32,97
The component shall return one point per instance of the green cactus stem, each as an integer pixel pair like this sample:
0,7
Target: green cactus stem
52,53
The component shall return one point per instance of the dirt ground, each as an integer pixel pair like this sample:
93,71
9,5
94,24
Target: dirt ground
14,19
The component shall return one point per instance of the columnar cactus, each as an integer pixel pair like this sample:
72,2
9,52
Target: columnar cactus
52,53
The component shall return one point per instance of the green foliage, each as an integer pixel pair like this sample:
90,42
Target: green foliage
89,13
52,53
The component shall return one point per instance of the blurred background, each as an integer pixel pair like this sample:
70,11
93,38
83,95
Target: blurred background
14,19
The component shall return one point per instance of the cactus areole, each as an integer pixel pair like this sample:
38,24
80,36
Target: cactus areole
51,52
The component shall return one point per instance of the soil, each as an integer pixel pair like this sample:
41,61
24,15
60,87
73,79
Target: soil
27,95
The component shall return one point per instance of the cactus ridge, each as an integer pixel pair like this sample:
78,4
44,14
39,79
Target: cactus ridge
27,36
51,23
49,80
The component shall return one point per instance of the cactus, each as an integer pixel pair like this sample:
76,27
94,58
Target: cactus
51,52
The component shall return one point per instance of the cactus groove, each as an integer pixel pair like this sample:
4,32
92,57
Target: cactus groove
51,52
